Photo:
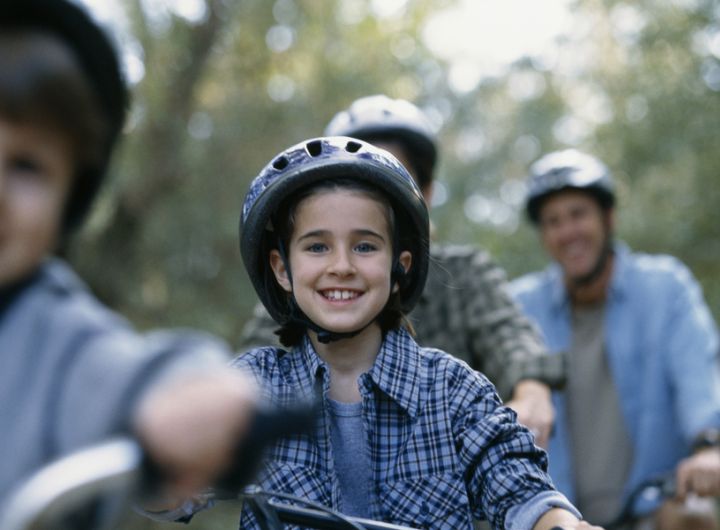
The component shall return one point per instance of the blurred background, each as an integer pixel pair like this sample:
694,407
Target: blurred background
221,86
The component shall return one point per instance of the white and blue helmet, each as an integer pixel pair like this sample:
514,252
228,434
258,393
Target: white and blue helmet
568,169
311,162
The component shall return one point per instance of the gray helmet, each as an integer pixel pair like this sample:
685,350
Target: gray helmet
568,169
98,60
379,117
321,159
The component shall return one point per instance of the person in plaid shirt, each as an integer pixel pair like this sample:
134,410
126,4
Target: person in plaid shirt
334,236
465,309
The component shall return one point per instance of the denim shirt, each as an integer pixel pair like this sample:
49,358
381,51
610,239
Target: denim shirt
662,348
442,447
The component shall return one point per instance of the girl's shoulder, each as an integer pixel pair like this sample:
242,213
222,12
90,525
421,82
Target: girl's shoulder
441,364
266,358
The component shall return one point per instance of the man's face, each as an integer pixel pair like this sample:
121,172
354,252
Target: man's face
398,151
35,177
574,230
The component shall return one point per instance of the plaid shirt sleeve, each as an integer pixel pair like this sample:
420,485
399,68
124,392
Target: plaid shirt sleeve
467,311
503,466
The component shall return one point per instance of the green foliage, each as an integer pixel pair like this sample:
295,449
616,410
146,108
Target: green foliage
635,83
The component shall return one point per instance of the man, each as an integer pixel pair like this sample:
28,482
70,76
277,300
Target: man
642,395
465,309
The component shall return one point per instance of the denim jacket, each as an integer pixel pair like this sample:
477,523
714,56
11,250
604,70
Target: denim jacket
662,347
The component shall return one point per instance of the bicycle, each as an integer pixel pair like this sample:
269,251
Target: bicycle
65,494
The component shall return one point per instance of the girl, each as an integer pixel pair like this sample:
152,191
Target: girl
334,235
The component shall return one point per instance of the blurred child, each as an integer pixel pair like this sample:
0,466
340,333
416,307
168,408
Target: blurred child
71,371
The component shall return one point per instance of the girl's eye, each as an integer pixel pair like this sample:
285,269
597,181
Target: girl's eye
365,247
316,247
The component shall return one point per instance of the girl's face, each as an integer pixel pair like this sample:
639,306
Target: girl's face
340,254
35,177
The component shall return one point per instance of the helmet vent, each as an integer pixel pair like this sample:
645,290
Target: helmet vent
314,148
352,147
280,163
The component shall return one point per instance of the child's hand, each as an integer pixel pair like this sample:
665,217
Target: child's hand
559,519
191,427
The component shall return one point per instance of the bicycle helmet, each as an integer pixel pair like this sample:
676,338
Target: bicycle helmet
379,117
568,169
98,62
320,159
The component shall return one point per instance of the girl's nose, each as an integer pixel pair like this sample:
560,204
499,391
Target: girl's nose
341,263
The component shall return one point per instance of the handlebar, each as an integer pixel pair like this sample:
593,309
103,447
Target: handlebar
271,513
66,485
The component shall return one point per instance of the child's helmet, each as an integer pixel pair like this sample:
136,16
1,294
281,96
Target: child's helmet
568,169
379,117
320,159
97,59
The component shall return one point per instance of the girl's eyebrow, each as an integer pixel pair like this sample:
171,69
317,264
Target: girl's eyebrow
313,234
368,232
360,231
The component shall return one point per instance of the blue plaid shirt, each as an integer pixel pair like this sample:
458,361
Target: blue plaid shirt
443,449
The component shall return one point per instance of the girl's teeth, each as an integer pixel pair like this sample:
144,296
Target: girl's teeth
340,295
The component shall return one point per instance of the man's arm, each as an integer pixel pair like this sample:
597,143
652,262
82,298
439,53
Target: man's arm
513,354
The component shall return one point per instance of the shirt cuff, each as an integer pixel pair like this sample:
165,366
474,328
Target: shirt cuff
524,516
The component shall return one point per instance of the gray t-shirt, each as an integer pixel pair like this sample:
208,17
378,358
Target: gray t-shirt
601,448
351,455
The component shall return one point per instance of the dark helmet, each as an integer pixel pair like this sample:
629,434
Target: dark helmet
568,169
98,61
379,117
321,159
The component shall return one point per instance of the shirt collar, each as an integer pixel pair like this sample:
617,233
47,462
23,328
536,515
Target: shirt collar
398,370
618,282
316,368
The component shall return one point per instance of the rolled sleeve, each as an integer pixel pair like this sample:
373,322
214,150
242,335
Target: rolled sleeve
526,515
